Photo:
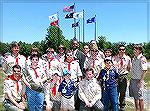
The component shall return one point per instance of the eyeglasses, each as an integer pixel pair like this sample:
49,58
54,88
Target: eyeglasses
69,55
94,50
18,71
50,52
121,49
108,62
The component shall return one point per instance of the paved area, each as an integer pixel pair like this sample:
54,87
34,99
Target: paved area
148,64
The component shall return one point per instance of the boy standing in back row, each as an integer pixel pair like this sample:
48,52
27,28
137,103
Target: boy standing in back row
138,72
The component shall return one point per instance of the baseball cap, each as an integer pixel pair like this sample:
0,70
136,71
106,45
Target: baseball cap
66,72
108,59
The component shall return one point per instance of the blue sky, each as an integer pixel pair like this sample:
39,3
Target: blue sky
117,21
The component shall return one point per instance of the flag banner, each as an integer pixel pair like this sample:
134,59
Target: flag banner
75,24
69,15
53,17
91,20
78,15
68,8
55,23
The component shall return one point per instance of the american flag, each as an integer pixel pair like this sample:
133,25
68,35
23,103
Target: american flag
68,8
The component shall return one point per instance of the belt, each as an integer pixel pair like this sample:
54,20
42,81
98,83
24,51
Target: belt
68,97
123,74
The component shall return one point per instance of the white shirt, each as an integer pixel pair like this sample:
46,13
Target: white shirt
74,69
11,60
126,63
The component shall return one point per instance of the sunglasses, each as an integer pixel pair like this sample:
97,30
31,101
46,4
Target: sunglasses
121,49
61,48
50,52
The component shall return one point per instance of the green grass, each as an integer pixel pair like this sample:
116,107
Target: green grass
147,78
1,89
148,60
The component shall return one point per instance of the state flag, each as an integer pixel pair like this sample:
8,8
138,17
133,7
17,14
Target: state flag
91,20
53,17
75,24
55,23
78,15
69,15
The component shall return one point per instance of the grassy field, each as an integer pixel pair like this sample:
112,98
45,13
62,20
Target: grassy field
130,106
1,89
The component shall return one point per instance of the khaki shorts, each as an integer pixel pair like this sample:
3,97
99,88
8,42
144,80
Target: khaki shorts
134,91
67,103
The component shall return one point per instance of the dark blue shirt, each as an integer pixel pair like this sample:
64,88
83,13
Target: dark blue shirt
109,79
67,89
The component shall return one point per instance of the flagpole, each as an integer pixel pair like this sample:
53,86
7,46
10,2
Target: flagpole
95,27
74,22
148,16
79,30
83,25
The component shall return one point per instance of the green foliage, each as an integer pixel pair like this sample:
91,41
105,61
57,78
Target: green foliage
4,47
147,50
25,48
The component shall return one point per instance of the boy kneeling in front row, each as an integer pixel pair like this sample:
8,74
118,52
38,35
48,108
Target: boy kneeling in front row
90,92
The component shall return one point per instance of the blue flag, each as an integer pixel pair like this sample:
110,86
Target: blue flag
91,20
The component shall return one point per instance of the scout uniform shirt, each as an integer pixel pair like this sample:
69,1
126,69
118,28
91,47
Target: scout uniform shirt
109,78
96,64
74,68
122,64
32,75
60,58
51,66
52,90
11,60
67,88
138,65
16,88
89,90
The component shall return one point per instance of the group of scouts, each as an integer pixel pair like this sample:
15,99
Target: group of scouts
91,80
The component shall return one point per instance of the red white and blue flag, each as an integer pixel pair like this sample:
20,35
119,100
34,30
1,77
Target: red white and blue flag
68,8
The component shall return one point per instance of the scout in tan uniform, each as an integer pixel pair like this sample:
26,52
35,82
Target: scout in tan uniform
52,64
14,91
13,58
90,92
52,97
123,63
35,75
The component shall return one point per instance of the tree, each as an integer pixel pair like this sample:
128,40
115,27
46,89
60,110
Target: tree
54,37
147,50
4,48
